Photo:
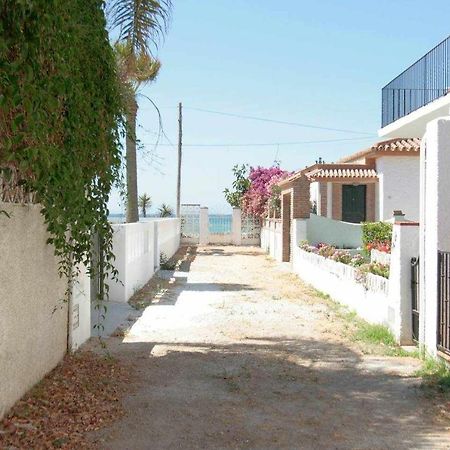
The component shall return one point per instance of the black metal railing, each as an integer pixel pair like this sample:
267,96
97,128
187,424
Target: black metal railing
421,83
443,325
415,299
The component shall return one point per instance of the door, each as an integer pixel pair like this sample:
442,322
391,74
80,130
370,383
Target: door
354,203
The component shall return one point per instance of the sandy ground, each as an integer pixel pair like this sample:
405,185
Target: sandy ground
238,354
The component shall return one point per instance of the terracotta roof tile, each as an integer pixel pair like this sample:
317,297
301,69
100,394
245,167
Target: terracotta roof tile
342,172
396,145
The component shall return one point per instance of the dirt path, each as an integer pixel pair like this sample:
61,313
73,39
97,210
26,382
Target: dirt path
238,354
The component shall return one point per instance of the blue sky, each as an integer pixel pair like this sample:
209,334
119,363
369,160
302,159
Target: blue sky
321,63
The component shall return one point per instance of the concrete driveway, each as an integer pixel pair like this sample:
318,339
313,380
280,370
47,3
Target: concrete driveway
239,354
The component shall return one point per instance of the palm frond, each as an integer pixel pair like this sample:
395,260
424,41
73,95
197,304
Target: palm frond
140,22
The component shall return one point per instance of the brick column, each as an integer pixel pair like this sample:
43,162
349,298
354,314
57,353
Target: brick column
370,202
337,201
301,207
286,199
323,199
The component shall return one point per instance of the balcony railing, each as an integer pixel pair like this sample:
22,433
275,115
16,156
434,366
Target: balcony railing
423,82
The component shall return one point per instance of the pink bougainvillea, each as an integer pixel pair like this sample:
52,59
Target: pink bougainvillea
262,190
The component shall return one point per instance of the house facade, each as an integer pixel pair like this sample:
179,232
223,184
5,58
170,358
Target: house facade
369,185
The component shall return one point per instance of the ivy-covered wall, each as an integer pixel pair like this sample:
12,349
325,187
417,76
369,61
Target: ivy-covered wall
61,117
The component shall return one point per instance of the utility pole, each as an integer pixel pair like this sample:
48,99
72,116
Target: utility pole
180,145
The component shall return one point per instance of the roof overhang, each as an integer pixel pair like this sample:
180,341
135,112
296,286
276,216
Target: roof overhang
342,173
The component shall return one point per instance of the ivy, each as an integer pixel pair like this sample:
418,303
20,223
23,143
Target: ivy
61,121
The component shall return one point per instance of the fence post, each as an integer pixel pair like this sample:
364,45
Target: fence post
237,226
405,245
434,223
204,226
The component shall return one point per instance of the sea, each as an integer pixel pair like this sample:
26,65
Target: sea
218,223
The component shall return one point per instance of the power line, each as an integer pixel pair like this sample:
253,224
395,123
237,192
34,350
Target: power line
281,122
271,144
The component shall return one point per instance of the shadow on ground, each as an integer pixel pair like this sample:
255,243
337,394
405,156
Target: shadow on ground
267,393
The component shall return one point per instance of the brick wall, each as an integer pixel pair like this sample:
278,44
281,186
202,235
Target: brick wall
323,198
370,202
337,201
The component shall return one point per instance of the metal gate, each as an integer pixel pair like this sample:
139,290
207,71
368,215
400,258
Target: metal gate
415,300
190,223
443,325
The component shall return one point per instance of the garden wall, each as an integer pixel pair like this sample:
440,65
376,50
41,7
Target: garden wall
334,232
370,300
271,238
137,247
33,317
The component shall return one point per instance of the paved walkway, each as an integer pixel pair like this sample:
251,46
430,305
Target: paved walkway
238,354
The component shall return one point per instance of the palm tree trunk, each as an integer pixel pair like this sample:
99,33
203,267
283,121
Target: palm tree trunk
132,194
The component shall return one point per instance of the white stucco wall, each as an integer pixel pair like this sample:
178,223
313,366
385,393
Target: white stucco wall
434,223
137,247
80,314
371,302
169,234
33,316
271,238
399,185
334,232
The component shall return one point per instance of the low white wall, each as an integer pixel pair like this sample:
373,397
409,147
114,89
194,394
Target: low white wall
137,247
380,257
334,232
33,315
271,238
370,300
220,238
168,235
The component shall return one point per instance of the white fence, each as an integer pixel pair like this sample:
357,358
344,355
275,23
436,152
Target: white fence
271,238
137,247
368,296
235,229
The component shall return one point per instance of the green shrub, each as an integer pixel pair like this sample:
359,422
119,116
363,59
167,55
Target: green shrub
376,233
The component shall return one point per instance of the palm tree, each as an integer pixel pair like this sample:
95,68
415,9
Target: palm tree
140,23
145,201
165,210
134,71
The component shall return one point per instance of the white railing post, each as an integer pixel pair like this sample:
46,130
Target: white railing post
204,226
405,245
237,226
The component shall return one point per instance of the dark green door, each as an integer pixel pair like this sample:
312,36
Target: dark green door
353,203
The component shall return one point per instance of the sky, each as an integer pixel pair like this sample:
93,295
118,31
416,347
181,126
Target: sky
319,63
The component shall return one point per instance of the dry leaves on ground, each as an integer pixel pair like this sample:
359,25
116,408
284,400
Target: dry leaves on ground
81,394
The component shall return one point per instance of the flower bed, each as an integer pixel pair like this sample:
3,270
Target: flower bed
346,257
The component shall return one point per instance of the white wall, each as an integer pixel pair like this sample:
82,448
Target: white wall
137,247
168,234
33,315
434,223
399,185
80,305
371,302
335,232
271,238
